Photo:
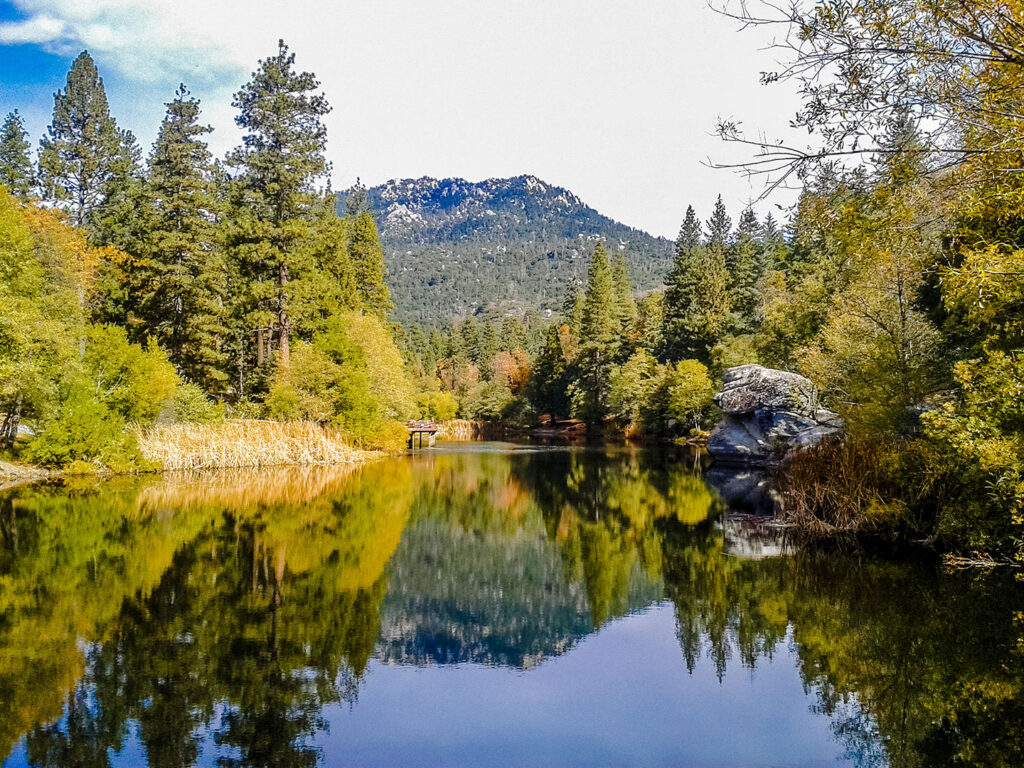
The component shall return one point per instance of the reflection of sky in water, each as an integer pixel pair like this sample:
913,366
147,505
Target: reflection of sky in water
620,697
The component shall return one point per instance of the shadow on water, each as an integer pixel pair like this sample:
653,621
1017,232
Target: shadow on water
232,618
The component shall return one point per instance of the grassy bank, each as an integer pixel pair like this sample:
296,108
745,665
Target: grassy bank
247,443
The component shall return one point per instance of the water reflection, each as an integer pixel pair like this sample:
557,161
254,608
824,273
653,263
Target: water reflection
230,619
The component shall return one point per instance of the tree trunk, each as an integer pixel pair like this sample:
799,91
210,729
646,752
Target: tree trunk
283,319
259,347
9,430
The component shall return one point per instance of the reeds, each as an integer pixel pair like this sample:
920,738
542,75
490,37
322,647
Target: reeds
245,487
831,488
457,430
246,443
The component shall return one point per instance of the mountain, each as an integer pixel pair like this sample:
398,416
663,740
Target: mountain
502,246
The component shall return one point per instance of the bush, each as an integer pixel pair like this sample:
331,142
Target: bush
247,409
86,430
389,436
688,393
191,406
134,382
312,387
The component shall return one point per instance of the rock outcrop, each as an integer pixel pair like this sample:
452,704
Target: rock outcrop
767,414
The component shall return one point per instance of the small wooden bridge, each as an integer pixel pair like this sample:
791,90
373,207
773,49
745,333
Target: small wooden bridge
419,429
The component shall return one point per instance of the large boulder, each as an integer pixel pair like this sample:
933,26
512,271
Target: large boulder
767,414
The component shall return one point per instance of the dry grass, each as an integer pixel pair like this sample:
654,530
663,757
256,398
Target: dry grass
458,430
243,488
830,488
859,486
246,443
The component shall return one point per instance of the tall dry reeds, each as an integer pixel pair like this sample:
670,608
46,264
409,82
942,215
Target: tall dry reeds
858,485
457,430
241,488
246,443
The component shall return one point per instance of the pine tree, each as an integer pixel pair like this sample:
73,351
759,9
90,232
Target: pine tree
696,303
746,269
276,201
116,220
368,264
690,233
548,378
15,164
681,290
719,226
357,202
902,154
183,303
624,303
78,156
774,251
600,340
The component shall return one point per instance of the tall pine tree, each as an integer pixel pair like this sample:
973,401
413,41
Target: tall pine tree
78,156
15,163
624,301
183,303
367,257
697,301
746,268
276,198
681,290
357,202
600,340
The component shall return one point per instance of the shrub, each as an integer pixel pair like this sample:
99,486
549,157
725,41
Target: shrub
191,406
388,436
688,393
134,382
84,429
247,409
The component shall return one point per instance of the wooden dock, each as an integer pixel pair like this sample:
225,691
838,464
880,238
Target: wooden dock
419,429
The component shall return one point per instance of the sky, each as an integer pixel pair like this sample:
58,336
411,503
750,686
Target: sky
616,101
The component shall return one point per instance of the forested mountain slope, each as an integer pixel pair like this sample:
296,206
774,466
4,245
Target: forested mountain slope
456,248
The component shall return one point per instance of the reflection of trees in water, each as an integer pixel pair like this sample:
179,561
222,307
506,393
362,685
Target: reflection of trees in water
244,605
922,664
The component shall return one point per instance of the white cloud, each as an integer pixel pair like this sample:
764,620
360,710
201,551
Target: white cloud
147,41
37,29
616,101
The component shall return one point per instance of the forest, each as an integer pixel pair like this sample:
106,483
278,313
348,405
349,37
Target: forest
183,288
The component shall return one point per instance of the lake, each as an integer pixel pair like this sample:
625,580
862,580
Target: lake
482,605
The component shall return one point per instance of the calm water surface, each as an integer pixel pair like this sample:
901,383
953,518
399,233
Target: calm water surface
480,605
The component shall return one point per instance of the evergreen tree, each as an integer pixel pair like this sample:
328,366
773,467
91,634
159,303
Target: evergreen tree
116,219
746,268
368,264
719,226
681,290
357,202
548,377
690,233
624,302
774,252
600,340
183,305
15,164
82,147
696,302
276,201
902,154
